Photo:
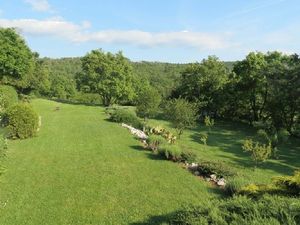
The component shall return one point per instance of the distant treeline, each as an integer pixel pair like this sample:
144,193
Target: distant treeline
162,75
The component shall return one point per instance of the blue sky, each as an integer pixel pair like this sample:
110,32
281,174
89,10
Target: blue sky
156,30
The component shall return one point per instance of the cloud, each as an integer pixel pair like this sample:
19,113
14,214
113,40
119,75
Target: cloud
58,27
39,5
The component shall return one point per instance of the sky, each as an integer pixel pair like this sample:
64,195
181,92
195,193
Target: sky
156,30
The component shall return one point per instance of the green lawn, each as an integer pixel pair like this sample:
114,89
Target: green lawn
83,169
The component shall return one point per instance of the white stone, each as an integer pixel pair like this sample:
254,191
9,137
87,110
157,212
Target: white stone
213,177
140,134
221,182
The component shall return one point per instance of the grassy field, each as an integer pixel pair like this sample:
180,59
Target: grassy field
83,169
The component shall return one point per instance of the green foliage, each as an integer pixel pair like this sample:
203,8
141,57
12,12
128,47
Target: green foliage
290,183
181,113
203,83
188,156
235,184
219,168
87,98
123,115
163,77
62,87
203,137
259,152
171,152
8,97
22,121
108,75
281,185
155,141
241,210
209,122
16,59
263,136
148,103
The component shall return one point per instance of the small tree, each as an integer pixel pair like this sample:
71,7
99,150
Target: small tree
182,114
209,122
259,152
148,103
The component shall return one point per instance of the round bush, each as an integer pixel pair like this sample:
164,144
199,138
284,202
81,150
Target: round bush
8,97
22,121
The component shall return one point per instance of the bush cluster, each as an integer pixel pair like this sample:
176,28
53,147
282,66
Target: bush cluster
159,130
123,115
282,185
219,168
155,141
241,210
235,184
22,121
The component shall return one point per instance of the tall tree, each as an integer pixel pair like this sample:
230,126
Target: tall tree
203,82
252,86
109,75
16,59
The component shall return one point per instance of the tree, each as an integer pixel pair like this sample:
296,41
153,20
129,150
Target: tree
203,83
62,87
251,86
181,113
109,75
148,103
259,152
283,105
16,59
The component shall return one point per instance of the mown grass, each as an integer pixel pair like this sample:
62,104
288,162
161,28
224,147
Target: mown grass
83,169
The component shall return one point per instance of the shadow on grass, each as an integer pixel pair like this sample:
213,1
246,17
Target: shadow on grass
70,102
137,147
229,138
155,220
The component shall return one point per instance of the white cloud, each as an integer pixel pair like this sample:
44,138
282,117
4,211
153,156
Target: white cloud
39,5
79,33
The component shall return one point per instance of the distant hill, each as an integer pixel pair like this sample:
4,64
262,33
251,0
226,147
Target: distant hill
161,75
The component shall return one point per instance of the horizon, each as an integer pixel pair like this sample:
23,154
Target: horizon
170,31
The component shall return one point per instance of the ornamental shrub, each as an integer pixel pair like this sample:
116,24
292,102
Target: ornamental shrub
22,121
171,152
155,141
